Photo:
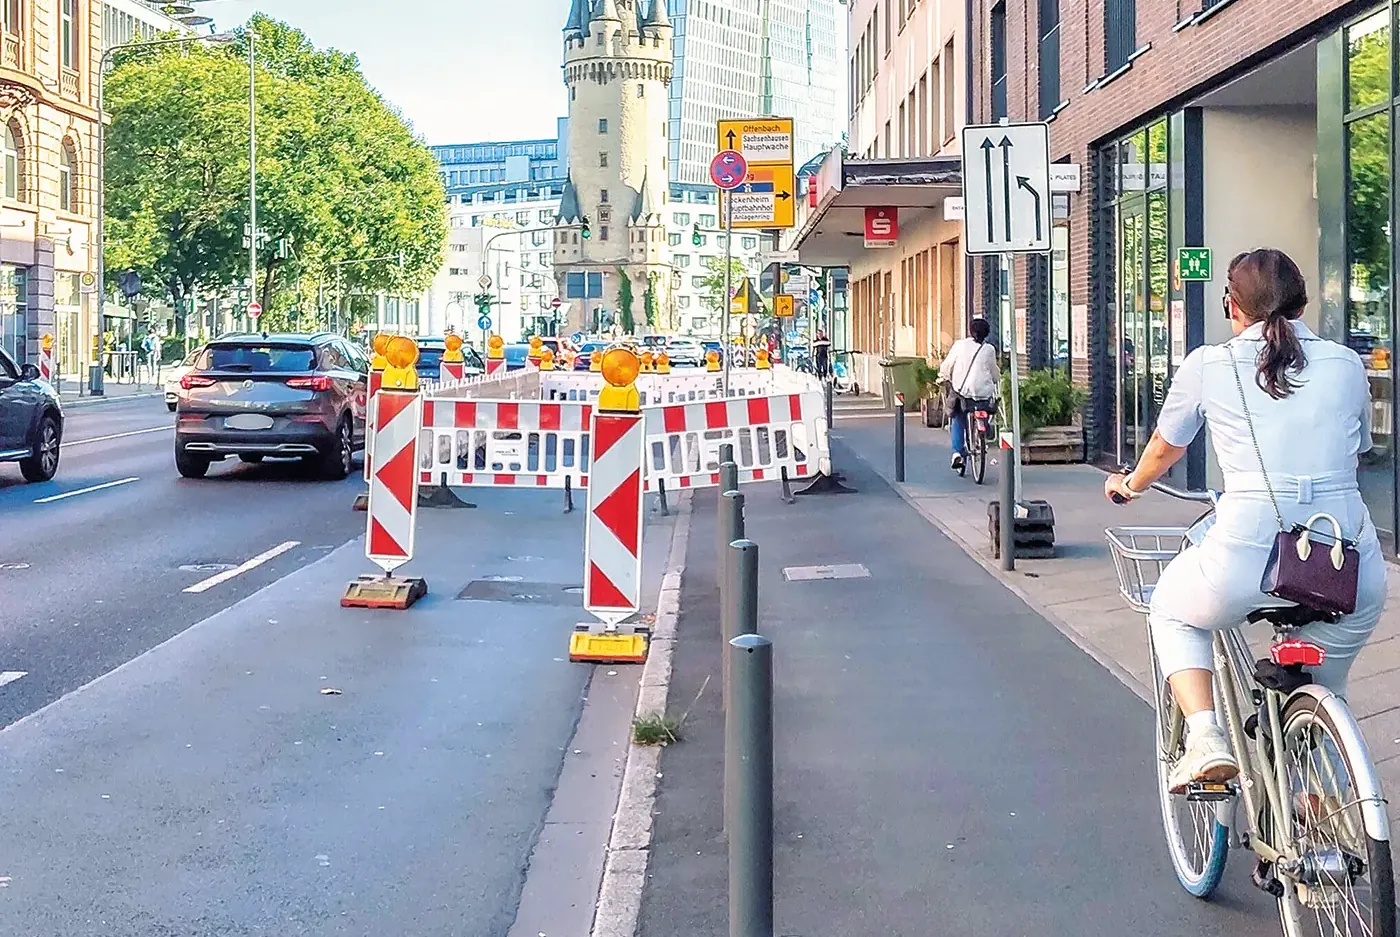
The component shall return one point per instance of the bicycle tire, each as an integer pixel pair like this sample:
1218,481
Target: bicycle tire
979,457
1316,706
1199,876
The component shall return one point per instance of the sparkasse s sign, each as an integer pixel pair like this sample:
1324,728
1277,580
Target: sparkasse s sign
881,227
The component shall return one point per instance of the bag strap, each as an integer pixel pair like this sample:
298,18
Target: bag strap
1249,421
968,373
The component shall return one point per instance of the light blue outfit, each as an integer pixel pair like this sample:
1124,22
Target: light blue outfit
1310,441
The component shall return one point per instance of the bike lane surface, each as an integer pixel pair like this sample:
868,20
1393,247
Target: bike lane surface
945,759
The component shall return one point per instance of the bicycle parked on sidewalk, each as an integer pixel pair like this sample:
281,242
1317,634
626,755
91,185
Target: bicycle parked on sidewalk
979,415
1313,811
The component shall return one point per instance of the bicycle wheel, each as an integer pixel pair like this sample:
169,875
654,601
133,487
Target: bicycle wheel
1343,882
1198,841
978,455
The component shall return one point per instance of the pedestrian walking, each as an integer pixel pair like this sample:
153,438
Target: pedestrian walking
821,355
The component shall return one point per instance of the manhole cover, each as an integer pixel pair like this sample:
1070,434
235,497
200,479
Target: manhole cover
208,567
502,578
520,592
13,566
839,571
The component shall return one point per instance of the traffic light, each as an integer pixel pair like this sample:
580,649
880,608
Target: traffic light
584,229
695,237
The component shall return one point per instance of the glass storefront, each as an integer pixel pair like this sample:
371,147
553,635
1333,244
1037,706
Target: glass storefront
67,306
1059,299
14,311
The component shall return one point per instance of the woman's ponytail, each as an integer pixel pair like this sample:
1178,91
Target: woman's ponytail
1268,287
1282,353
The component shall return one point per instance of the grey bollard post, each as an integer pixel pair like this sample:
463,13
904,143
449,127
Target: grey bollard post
728,476
748,777
899,438
1008,508
731,522
740,616
830,393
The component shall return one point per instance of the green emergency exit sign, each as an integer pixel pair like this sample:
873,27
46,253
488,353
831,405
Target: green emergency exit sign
1193,263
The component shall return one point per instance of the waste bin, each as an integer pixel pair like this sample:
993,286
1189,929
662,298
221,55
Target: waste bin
897,375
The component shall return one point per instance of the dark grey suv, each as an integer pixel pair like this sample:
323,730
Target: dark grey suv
31,420
259,396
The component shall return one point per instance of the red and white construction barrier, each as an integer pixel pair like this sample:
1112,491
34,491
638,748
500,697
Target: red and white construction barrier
46,359
612,543
504,443
376,380
451,370
393,486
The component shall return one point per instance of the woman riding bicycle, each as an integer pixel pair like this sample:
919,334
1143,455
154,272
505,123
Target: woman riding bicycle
970,372
1310,402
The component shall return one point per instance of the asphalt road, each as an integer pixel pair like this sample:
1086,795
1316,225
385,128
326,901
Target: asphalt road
91,576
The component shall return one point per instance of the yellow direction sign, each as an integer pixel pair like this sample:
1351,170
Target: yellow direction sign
739,305
768,196
782,305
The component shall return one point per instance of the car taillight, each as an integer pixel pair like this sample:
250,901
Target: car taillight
319,382
190,382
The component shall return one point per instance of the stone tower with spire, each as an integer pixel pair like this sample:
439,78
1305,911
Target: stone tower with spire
617,67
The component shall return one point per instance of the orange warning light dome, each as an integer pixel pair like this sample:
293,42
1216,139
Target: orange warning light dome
401,352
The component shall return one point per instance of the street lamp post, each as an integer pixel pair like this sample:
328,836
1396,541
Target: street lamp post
95,380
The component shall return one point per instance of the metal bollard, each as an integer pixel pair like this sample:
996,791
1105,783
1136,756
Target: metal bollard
748,782
731,521
745,562
1008,508
568,496
731,528
661,496
726,454
830,394
899,438
728,476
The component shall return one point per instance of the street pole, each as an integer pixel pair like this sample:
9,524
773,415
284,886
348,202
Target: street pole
1008,261
727,349
252,172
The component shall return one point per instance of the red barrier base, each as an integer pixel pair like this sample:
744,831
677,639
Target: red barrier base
362,502
383,592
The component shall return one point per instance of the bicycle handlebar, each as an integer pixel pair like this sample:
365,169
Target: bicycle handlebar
1209,496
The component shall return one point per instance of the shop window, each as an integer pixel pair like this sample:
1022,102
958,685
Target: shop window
14,310
998,61
1049,61
1060,344
68,176
1368,62
1120,32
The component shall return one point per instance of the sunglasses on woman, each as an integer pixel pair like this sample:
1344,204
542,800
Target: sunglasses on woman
1225,302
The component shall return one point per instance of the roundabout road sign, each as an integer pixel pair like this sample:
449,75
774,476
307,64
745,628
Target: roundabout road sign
728,169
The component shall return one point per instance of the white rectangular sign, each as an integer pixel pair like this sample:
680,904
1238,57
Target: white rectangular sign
798,285
953,208
781,257
751,206
1006,189
1064,177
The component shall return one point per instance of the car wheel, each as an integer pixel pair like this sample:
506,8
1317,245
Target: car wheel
190,465
252,458
170,406
43,464
336,463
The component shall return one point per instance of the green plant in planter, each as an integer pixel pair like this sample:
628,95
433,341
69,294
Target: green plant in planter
926,376
1048,398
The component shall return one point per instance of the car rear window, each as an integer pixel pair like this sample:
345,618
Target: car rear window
429,358
258,358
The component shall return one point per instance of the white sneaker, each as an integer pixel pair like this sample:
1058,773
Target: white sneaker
957,461
1207,758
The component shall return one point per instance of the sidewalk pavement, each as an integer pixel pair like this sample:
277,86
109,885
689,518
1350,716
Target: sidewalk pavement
290,767
1078,590
944,760
69,392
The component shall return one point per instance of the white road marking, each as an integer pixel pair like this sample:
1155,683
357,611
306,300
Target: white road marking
84,491
242,568
135,432
10,676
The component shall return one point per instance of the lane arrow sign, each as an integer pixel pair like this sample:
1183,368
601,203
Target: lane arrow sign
1006,146
784,195
1024,182
729,138
987,147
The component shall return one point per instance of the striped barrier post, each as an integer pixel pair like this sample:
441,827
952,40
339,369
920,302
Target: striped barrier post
46,358
454,363
495,354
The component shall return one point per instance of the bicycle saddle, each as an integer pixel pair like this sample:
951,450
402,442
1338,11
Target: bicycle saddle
1288,617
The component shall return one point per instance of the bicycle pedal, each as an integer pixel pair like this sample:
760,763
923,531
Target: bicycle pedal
1209,790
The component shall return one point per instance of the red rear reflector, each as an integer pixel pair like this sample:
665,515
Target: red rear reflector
189,382
1288,653
320,382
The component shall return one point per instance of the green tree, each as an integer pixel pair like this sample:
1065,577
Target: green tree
649,300
340,174
624,301
714,298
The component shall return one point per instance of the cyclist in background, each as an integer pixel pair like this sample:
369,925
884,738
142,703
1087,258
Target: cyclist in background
969,372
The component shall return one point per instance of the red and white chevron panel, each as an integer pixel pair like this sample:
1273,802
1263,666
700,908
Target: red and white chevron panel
451,370
494,364
612,541
376,380
769,434
505,443
393,487
46,363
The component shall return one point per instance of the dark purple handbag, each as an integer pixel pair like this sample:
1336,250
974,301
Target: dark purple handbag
1321,576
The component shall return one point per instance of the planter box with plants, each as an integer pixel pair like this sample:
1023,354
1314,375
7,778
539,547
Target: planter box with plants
931,403
1051,427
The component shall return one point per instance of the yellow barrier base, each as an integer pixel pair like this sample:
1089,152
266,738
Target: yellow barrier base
383,592
586,647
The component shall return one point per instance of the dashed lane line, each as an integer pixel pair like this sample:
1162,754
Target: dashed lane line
10,676
136,432
254,563
88,490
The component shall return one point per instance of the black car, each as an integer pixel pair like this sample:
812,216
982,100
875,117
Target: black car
257,396
430,352
31,420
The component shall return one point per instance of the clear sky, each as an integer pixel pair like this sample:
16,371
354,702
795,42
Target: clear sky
461,70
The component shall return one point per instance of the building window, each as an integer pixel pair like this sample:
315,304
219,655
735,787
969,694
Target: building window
9,9
1119,32
1049,57
946,65
603,196
602,232
749,243
701,240
603,160
545,258
68,177
682,217
522,217
681,260
13,144
602,125
708,221
673,239
641,89
68,33
998,60
683,302
14,311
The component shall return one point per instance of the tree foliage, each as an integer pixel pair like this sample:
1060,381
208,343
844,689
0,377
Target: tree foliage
624,302
649,300
714,297
340,175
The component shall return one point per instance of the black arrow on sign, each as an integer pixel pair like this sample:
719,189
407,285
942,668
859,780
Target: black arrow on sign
784,195
987,147
1006,146
1024,182
730,138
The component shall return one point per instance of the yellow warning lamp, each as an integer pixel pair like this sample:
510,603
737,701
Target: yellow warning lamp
620,368
663,363
381,345
595,361
495,347
647,363
546,360
453,353
760,359
47,342
536,343
711,360
401,355
1380,358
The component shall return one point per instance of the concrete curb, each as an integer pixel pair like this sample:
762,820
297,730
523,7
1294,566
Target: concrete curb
71,402
1064,627
625,869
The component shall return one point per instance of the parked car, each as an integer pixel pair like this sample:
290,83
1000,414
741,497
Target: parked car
685,353
430,352
31,420
516,356
584,359
281,395
172,378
